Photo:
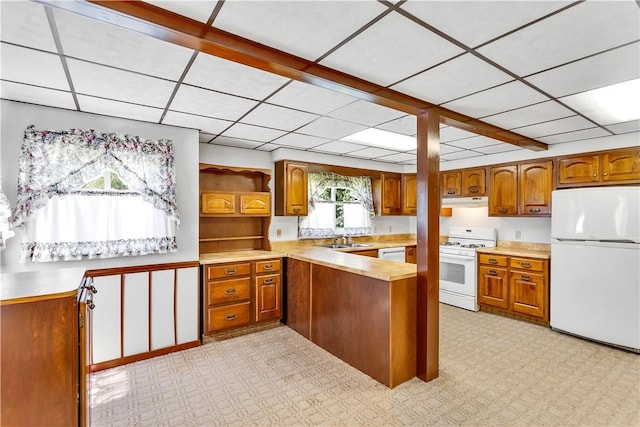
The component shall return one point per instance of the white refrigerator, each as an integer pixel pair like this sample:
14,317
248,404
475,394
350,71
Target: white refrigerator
595,264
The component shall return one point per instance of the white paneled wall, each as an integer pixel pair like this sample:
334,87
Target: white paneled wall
143,311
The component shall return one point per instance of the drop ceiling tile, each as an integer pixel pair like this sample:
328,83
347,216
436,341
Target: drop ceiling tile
205,137
194,100
25,23
380,53
366,113
307,97
338,147
464,154
327,127
410,162
618,65
278,117
96,41
580,135
626,127
268,147
473,143
29,66
498,148
372,153
586,104
397,158
192,121
235,142
450,133
119,109
300,141
254,133
36,95
97,80
461,76
496,100
582,30
198,10
405,125
568,124
215,73
533,114
304,28
475,22
447,149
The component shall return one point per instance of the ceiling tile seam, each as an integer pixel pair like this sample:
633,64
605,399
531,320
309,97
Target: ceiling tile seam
178,84
544,121
390,86
528,24
49,52
567,132
56,39
36,86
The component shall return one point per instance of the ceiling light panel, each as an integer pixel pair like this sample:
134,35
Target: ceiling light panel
124,110
558,39
475,22
207,124
327,127
406,125
366,113
608,105
97,80
25,23
28,66
303,28
197,10
204,102
533,114
379,54
452,80
580,135
568,124
297,140
278,117
306,97
607,68
36,95
95,41
254,133
215,73
496,100
382,138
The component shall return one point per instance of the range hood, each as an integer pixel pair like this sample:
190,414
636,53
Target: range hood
461,202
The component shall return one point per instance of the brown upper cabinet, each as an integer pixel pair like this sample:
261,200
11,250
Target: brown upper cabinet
523,189
465,183
409,194
291,188
391,193
603,168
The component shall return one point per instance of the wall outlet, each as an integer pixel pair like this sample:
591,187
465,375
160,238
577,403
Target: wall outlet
518,234
279,232
390,228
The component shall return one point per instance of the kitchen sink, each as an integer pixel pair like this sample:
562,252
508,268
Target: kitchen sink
344,246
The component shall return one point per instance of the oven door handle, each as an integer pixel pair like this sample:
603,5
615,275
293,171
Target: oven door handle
460,257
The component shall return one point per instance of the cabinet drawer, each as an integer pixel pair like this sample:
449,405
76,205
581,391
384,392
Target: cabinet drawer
268,266
526,264
228,290
271,279
500,260
228,270
229,316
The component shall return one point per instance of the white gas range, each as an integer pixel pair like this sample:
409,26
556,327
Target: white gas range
458,266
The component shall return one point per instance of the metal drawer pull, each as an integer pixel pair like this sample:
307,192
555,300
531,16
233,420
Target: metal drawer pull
296,210
230,317
451,192
523,277
91,305
230,291
268,281
493,261
413,211
493,273
268,267
230,271
525,264
535,210
502,210
474,190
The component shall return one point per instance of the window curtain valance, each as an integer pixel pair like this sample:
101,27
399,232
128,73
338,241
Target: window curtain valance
320,181
54,163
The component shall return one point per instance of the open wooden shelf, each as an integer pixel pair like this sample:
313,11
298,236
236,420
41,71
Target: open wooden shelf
221,239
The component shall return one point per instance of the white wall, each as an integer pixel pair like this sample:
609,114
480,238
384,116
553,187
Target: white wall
17,116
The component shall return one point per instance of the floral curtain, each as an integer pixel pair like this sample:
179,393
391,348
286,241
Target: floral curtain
53,167
321,219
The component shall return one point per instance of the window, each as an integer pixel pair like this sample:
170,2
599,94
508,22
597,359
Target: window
338,205
84,194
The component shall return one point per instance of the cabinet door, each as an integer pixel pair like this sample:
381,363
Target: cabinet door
451,183
268,296
410,254
492,289
391,193
577,170
621,166
373,253
255,204
218,203
409,194
474,182
536,183
527,293
296,189
503,190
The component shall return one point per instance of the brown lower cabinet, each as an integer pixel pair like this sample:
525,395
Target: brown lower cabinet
517,286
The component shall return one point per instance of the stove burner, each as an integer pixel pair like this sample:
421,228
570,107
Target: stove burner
473,245
447,243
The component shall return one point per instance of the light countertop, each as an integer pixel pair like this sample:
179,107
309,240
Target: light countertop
237,256
29,286
522,249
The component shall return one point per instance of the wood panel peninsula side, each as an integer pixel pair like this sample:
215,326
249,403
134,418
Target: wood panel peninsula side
358,308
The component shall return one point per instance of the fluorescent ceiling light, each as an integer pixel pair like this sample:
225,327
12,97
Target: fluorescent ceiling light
382,138
610,104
